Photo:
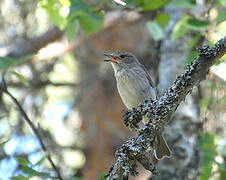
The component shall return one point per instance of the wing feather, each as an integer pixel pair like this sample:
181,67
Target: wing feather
150,79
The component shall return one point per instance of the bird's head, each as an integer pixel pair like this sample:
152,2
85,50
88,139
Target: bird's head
121,59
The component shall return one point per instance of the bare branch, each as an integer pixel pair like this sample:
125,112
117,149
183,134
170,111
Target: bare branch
29,46
3,88
159,112
41,84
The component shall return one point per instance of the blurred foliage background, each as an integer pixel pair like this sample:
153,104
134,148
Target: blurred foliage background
51,52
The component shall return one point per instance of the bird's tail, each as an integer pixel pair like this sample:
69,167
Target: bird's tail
161,149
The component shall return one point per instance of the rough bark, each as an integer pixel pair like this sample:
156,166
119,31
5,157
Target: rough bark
182,132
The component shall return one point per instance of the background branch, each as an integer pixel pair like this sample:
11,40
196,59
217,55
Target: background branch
159,112
41,84
32,45
3,88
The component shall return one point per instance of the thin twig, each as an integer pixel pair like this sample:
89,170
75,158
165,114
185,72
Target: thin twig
30,123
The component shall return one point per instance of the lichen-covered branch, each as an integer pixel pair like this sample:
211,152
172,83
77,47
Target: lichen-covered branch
158,113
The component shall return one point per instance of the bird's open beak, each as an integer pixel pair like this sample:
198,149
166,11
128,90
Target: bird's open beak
112,58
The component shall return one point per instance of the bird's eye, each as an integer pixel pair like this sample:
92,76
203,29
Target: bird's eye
122,56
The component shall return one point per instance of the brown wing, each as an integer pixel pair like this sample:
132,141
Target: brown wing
150,80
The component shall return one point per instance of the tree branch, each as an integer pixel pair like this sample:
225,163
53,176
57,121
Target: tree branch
3,88
32,45
41,84
158,113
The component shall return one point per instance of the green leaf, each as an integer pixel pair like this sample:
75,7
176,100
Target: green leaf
221,16
206,138
223,2
204,102
155,30
147,5
6,62
20,77
78,6
42,159
218,62
130,2
205,173
162,19
222,170
197,24
207,148
208,152
182,3
33,172
72,29
180,29
224,57
190,57
22,161
4,142
20,177
53,8
91,22
65,2
103,176
56,18
192,43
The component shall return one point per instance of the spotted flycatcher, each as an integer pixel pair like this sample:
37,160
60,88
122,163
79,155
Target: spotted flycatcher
135,86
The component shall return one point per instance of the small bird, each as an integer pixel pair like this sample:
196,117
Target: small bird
135,85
